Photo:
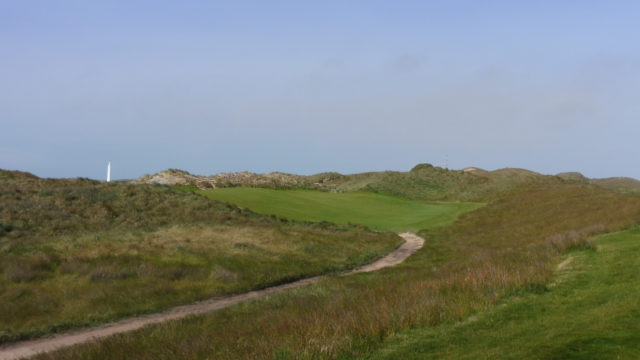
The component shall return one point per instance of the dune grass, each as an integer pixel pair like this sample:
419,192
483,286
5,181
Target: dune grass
79,280
590,311
424,182
380,212
506,249
78,252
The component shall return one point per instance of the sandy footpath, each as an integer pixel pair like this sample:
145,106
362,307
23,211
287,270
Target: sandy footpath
29,348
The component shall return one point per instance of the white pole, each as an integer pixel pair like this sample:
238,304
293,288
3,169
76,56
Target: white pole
109,171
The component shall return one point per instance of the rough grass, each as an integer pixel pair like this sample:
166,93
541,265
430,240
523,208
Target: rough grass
623,185
424,182
508,248
79,252
589,311
381,212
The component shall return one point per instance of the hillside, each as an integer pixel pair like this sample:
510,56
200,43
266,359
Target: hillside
423,182
78,252
33,207
505,250
619,184
589,311
180,177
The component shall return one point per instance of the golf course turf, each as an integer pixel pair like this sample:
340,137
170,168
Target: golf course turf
379,212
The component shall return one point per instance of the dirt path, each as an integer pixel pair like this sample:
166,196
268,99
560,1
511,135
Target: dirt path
29,348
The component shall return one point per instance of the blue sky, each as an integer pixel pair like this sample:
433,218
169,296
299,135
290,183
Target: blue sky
311,86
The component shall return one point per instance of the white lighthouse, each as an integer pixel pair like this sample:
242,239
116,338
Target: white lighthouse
108,171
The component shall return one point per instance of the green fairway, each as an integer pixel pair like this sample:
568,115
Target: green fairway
591,311
377,211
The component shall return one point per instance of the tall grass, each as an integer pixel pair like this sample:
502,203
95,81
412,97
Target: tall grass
509,247
590,311
78,252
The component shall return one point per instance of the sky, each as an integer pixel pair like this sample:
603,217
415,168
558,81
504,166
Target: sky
312,86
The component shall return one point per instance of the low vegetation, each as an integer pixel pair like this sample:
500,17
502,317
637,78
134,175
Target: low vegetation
619,184
427,182
590,311
424,182
381,212
78,252
508,248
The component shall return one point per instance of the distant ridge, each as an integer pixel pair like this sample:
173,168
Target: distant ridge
16,174
573,176
245,178
619,184
422,182
623,184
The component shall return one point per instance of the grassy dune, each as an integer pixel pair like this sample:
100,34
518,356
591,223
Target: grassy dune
78,252
381,212
589,311
509,248
424,182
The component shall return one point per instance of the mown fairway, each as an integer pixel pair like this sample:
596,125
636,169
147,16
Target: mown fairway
591,311
381,212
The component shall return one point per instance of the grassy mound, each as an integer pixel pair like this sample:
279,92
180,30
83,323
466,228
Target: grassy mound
423,182
426,182
618,184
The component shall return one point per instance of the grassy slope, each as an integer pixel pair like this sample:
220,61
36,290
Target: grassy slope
591,311
381,212
623,185
424,182
510,247
77,252
619,184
